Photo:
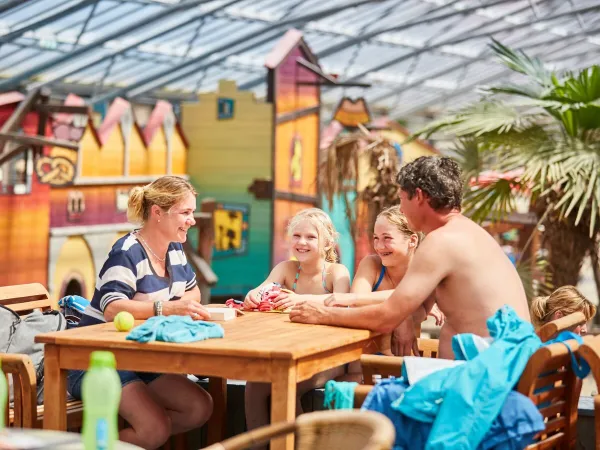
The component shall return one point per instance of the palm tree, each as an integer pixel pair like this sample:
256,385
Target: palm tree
545,134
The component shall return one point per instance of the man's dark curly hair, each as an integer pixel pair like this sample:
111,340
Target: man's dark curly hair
438,177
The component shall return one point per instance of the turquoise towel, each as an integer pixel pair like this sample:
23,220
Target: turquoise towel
175,329
339,394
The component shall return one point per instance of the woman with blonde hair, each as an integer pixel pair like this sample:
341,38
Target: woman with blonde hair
313,273
563,301
147,274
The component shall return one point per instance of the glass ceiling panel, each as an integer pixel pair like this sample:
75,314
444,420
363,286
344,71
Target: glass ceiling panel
408,66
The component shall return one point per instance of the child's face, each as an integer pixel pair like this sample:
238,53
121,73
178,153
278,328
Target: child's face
391,245
305,242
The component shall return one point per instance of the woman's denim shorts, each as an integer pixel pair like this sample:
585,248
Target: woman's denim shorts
75,379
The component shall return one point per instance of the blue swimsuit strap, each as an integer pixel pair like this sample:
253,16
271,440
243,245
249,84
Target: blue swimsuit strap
323,277
581,367
381,275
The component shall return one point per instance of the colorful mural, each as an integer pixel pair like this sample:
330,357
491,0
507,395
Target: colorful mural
295,94
58,223
230,149
258,161
353,113
24,208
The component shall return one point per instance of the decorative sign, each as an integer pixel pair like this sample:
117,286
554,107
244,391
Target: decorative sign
75,205
225,108
57,171
231,229
351,113
296,162
122,199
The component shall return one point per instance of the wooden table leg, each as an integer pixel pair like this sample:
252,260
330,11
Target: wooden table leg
55,391
217,424
283,399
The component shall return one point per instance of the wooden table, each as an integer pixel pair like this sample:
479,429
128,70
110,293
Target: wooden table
257,347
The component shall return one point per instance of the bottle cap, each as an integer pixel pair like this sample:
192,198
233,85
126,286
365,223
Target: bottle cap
103,359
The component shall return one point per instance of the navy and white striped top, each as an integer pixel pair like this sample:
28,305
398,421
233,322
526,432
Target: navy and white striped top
128,275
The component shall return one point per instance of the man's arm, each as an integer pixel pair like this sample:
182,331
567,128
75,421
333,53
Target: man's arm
427,269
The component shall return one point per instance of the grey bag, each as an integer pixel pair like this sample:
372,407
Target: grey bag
17,335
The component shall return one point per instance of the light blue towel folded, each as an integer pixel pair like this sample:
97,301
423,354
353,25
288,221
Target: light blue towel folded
175,329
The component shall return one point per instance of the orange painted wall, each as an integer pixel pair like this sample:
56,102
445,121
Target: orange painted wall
24,221
306,129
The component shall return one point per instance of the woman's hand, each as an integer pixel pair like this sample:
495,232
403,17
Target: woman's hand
438,315
185,307
286,300
252,299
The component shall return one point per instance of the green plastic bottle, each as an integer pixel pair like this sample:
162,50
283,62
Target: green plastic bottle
3,397
101,394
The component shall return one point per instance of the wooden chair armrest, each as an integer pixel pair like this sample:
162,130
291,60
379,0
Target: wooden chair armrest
551,329
256,437
24,387
360,394
380,365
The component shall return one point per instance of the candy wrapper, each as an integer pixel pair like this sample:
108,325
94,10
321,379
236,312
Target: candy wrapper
267,295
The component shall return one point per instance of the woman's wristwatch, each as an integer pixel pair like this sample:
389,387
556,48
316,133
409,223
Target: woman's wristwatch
158,308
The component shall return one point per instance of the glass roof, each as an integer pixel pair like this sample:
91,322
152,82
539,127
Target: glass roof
420,56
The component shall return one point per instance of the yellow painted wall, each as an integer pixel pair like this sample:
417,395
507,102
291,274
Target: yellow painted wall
105,161
157,153
139,156
178,154
75,253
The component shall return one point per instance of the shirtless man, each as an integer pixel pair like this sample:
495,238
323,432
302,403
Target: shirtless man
458,261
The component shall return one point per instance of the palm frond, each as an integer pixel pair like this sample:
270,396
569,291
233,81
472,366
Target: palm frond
479,119
530,91
520,62
493,201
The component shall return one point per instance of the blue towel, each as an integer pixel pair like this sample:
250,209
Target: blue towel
514,428
175,329
339,394
462,402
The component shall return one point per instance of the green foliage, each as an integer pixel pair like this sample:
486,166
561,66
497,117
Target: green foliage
550,130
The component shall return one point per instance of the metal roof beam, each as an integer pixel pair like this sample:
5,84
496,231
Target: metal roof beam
446,70
473,84
10,4
15,81
273,30
402,26
398,60
11,36
102,58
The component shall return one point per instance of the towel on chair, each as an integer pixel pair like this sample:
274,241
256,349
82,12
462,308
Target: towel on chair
175,329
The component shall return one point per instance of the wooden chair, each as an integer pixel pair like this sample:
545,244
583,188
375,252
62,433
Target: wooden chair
387,366
551,329
548,380
323,430
590,351
26,413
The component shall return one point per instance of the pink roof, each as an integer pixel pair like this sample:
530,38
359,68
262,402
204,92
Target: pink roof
8,98
157,117
290,40
112,119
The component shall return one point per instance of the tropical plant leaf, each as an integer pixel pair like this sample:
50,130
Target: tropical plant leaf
520,62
